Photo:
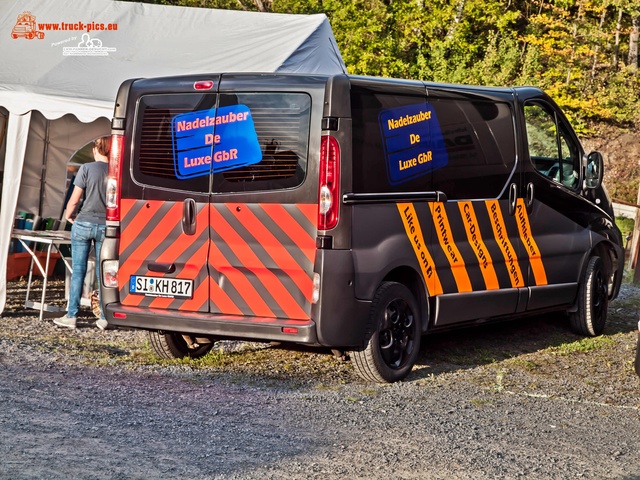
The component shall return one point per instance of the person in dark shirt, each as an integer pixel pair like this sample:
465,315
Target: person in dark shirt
88,227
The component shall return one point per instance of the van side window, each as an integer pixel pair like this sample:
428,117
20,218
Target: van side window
369,147
248,141
552,151
480,142
471,149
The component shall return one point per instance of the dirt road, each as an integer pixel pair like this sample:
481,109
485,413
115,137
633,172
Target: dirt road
522,400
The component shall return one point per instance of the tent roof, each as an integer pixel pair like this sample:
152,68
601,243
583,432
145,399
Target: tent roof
82,51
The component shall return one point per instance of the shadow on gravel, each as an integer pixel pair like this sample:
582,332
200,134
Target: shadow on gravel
485,344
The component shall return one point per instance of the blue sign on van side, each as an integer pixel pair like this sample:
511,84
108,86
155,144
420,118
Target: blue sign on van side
413,142
210,140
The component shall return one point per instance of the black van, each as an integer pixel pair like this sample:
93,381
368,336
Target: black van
349,213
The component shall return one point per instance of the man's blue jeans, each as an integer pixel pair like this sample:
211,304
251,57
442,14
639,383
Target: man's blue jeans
83,234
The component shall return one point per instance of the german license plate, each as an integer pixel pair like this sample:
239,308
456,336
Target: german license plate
161,287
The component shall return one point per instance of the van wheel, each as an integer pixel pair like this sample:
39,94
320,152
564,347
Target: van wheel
593,300
172,345
392,343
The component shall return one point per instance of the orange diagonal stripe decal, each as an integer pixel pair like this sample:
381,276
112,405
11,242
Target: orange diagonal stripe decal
414,233
474,236
506,247
535,259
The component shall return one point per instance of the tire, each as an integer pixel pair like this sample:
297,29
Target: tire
593,300
172,345
392,342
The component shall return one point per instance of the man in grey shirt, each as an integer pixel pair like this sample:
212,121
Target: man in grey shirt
88,227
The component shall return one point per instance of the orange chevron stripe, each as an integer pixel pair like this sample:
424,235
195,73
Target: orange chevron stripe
241,283
309,210
250,260
221,300
276,250
143,251
138,223
126,204
178,248
280,215
414,234
133,263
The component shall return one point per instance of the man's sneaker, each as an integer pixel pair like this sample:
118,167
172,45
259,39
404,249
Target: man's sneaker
69,322
102,324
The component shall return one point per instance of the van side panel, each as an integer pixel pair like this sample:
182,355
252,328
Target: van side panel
451,259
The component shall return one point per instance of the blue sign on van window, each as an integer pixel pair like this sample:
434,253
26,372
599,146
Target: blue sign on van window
413,142
214,140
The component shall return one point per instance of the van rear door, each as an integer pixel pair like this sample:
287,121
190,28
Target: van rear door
164,242
264,207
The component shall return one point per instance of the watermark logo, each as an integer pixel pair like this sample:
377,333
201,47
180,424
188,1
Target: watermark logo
88,47
26,27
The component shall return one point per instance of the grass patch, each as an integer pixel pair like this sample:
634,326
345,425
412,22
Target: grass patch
583,345
523,364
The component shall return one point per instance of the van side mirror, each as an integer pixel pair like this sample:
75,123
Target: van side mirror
595,170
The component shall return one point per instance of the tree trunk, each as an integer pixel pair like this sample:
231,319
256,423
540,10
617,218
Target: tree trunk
616,48
633,44
573,44
597,48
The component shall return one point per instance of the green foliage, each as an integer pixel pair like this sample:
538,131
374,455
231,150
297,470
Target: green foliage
625,225
574,49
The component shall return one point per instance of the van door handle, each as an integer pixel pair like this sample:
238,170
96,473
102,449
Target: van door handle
189,216
513,197
530,197
161,267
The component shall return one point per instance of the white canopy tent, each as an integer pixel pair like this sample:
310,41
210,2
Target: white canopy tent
63,61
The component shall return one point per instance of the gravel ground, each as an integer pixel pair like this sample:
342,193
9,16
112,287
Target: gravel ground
526,399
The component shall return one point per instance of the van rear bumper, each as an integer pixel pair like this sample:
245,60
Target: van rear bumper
223,326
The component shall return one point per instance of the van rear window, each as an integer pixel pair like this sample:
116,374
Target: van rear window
222,142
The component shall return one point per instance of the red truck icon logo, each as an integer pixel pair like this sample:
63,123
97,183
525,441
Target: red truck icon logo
26,27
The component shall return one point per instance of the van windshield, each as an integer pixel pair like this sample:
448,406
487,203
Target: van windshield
222,143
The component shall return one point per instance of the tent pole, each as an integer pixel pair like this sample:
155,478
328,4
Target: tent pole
43,175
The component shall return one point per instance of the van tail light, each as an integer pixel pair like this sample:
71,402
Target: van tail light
329,189
114,177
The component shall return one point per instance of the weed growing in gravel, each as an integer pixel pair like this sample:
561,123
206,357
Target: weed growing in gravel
480,402
370,392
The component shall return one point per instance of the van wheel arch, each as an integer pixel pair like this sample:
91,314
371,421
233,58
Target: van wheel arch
392,341
408,277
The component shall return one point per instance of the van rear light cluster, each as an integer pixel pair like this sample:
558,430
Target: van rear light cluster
329,181
114,177
110,273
